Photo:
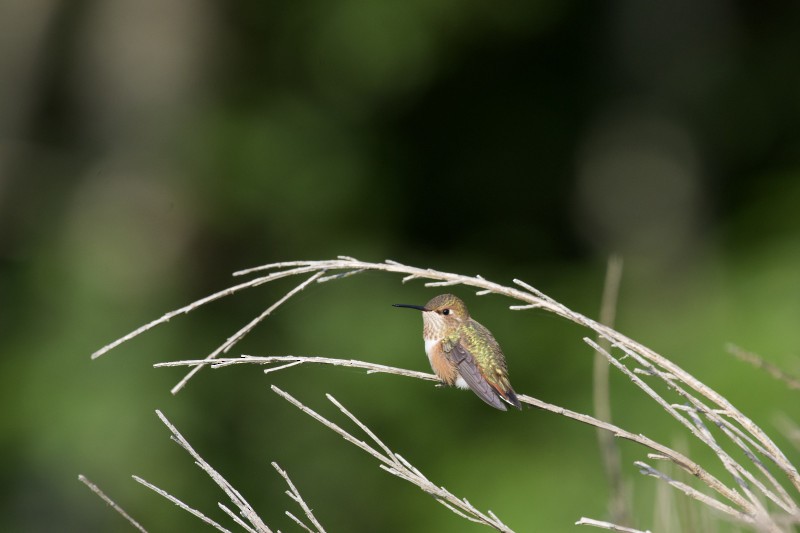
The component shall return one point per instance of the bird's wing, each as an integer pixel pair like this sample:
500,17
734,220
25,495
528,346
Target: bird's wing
497,377
469,370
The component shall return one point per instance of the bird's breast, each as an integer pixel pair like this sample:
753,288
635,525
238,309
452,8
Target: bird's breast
430,347
441,365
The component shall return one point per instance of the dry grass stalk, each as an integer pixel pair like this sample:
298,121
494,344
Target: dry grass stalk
619,495
607,525
793,382
395,464
102,495
294,494
744,501
253,523
245,510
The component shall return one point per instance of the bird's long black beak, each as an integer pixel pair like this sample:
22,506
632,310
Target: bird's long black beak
418,307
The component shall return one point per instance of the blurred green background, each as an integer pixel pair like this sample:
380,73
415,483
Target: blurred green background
148,149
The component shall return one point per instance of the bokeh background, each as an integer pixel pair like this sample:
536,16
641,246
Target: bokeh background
148,149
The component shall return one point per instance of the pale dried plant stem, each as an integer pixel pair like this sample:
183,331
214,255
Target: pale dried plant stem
199,303
537,299
294,360
531,296
702,433
298,522
254,523
792,382
608,525
191,510
780,497
228,511
601,398
742,431
102,495
397,465
237,499
294,494
236,337
646,469
664,451
789,429
751,505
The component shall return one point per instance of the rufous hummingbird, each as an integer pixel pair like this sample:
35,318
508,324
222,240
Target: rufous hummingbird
464,353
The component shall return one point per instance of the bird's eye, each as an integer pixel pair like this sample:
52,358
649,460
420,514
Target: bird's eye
445,311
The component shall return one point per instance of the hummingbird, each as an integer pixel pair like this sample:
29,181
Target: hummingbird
464,353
